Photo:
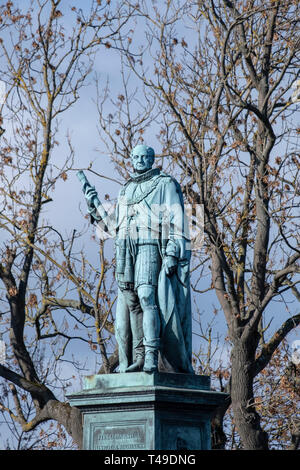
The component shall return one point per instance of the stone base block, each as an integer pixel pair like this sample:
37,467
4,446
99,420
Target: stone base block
140,411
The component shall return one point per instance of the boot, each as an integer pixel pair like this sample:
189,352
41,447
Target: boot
151,359
139,361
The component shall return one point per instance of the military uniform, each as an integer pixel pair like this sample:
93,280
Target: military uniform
142,241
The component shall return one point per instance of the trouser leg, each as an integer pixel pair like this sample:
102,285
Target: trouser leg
136,322
129,331
122,332
151,326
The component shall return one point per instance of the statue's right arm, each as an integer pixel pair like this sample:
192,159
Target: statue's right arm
93,203
91,197
95,207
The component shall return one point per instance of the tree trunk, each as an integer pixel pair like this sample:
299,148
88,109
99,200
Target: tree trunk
68,416
246,418
218,435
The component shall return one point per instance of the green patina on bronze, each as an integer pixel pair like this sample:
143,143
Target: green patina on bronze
152,249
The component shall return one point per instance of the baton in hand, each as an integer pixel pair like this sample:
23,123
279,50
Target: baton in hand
96,202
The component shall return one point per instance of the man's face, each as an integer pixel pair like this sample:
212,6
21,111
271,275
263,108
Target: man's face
141,160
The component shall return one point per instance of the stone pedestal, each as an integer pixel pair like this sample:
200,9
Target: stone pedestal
157,411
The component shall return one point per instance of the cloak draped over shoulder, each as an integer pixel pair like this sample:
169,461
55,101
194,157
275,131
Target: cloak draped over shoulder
174,301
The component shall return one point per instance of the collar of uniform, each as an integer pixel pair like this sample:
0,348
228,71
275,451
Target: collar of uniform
139,178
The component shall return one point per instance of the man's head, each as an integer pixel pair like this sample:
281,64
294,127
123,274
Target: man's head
142,158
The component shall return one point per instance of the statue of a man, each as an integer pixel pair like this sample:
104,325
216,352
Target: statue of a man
152,268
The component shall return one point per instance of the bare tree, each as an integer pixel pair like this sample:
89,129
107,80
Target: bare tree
216,82
50,287
221,74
